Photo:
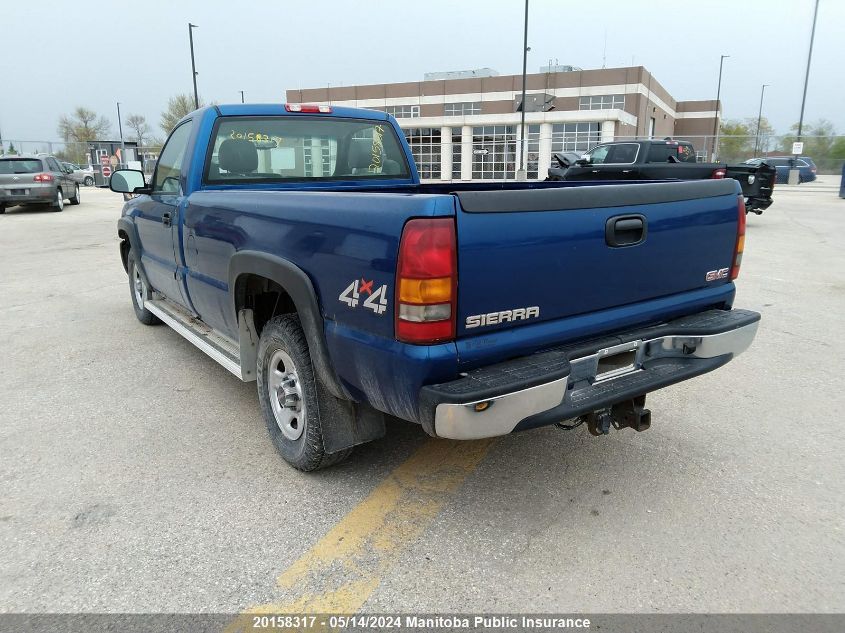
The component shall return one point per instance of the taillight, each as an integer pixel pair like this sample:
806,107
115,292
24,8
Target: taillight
43,178
740,237
718,173
427,281
308,107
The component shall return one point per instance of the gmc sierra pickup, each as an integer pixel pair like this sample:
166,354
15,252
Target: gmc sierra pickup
295,245
668,159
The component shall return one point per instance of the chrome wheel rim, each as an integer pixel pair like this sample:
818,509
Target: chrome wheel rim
60,200
76,190
285,391
138,287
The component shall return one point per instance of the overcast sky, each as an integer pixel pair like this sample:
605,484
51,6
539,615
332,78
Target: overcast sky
58,55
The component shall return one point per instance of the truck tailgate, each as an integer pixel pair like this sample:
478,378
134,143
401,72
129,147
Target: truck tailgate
576,250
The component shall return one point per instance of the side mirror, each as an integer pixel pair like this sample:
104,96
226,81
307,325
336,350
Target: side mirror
127,181
583,161
67,170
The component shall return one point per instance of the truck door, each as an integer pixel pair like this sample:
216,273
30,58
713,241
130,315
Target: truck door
617,161
158,218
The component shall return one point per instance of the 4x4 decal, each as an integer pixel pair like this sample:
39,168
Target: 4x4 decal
376,299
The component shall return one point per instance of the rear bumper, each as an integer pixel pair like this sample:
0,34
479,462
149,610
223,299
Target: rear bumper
27,193
568,382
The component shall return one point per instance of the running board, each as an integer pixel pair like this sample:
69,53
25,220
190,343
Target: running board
218,347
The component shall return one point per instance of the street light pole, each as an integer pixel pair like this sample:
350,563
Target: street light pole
191,28
718,96
807,74
120,128
242,95
759,120
522,162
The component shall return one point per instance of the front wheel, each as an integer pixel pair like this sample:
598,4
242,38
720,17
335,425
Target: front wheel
89,181
140,294
289,398
75,199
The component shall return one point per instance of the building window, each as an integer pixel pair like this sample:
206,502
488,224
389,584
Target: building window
575,137
404,111
319,155
425,146
602,102
460,109
494,152
456,153
533,151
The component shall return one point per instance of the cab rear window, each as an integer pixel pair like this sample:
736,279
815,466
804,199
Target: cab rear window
660,153
291,148
20,166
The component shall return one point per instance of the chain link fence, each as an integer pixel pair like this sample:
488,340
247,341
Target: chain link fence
493,158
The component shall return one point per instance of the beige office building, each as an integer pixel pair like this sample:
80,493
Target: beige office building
465,125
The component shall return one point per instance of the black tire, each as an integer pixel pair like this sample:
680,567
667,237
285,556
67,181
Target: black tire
59,202
75,199
144,316
2,209
89,181
306,452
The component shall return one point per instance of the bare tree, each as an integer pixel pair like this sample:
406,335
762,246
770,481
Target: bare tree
79,129
177,107
83,126
138,123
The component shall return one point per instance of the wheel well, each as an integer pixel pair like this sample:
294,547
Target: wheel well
124,248
264,296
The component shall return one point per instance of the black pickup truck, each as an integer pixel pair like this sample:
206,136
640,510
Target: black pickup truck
663,160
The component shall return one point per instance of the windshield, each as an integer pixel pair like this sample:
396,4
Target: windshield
278,148
20,166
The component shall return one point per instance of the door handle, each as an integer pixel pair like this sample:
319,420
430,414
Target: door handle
626,171
625,230
166,220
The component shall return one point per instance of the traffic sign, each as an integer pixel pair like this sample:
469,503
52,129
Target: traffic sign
106,171
798,148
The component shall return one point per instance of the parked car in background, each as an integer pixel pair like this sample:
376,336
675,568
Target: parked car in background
806,167
36,180
82,175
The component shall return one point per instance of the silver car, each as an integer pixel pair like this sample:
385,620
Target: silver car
36,180
82,175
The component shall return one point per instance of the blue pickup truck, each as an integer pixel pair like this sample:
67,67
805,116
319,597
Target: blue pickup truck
296,246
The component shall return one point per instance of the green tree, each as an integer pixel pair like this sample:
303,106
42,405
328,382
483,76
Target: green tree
736,141
79,129
12,150
177,107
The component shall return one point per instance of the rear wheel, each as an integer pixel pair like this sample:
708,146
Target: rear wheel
89,181
140,294
59,203
75,199
290,401
2,209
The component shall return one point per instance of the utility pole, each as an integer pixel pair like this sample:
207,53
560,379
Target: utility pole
242,95
716,122
759,119
521,173
191,28
794,173
120,129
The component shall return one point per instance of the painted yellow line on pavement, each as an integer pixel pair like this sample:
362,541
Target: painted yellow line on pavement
340,573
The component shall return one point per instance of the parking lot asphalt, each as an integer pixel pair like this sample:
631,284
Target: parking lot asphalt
137,474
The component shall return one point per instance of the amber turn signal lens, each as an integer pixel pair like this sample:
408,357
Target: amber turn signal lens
437,290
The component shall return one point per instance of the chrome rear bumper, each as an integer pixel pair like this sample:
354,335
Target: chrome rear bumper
582,381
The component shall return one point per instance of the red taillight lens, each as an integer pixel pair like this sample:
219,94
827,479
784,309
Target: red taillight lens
718,173
43,178
426,281
308,107
740,237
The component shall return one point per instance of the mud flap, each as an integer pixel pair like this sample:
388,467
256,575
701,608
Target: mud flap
347,424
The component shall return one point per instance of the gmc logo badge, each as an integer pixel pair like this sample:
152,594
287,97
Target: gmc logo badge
713,275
